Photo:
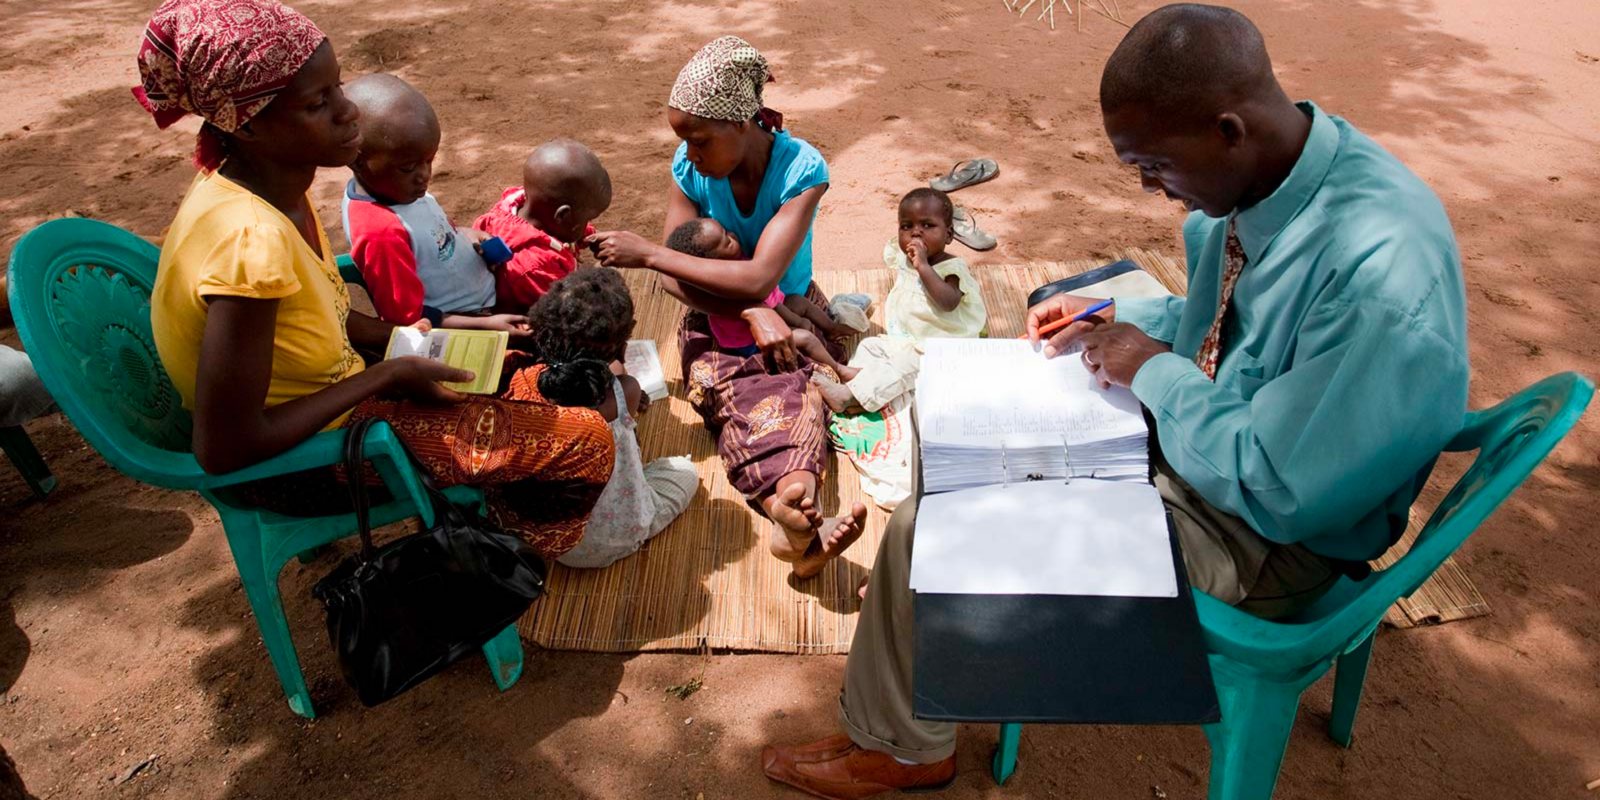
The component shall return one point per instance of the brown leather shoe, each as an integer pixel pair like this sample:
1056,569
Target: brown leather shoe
837,769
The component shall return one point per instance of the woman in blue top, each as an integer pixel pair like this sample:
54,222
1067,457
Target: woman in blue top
738,166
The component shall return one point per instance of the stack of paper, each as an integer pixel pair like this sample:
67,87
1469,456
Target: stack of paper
642,362
993,411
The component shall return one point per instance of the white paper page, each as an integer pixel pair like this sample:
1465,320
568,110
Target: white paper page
413,342
986,391
1089,537
642,362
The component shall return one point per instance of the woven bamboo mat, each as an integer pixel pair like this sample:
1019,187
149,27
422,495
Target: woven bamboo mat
708,580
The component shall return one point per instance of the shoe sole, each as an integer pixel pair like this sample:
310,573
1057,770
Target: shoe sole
930,789
908,790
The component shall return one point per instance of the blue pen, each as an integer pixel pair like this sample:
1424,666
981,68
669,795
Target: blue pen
1062,323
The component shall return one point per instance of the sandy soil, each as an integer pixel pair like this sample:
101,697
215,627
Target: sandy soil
123,632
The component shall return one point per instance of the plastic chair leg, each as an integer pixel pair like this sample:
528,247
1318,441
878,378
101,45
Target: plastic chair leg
1005,753
261,589
1349,676
504,653
1247,746
19,448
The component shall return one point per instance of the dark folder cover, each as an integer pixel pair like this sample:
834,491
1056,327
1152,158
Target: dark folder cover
1059,658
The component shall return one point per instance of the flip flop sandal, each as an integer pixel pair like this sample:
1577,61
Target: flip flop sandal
967,231
849,315
859,299
966,173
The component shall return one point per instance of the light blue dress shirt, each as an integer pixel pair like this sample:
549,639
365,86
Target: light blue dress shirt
1344,360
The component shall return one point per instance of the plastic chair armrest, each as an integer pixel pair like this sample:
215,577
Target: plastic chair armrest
323,450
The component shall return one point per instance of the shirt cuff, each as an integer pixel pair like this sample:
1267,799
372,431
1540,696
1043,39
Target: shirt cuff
1148,314
1158,375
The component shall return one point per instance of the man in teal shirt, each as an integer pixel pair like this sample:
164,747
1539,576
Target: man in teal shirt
1300,393
1341,356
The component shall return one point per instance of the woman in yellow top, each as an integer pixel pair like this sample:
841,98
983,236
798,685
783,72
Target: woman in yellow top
253,321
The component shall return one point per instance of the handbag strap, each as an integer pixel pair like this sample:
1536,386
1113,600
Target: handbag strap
355,474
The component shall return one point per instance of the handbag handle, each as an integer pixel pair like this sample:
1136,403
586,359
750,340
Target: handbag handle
355,436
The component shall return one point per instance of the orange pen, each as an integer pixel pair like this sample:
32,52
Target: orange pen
1062,323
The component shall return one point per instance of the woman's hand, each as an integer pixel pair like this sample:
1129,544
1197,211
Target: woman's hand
1063,306
420,379
774,337
621,249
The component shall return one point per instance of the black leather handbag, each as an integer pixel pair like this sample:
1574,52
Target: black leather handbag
401,614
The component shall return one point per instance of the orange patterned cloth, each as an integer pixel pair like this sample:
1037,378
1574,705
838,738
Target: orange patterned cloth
541,466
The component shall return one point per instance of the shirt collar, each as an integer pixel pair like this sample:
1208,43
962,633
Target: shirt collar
1259,224
355,191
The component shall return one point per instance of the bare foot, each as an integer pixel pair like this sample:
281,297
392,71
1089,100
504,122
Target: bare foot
836,395
833,538
797,517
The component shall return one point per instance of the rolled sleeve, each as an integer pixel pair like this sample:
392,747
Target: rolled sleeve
1158,375
1371,399
1156,316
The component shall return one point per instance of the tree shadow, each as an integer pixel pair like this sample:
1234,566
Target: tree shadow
478,739
14,645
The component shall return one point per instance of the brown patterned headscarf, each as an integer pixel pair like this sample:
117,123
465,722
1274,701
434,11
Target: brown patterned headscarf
224,60
724,81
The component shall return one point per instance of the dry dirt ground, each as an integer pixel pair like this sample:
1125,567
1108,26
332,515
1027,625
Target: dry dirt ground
123,632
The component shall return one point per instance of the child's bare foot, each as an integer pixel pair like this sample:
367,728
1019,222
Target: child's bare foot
797,518
836,395
835,331
833,538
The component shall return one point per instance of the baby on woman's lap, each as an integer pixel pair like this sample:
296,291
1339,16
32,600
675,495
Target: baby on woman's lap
809,539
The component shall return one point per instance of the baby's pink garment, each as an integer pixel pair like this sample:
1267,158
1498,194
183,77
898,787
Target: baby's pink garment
733,333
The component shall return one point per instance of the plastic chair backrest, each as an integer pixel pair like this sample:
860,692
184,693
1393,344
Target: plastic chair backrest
80,293
1511,438
348,270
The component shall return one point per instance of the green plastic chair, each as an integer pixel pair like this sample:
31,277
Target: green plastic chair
1261,667
18,447
80,292
348,270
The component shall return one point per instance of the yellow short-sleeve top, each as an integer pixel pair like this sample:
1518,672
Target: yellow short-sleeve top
226,241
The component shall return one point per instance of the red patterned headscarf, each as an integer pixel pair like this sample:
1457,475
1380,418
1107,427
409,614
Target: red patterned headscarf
224,60
725,81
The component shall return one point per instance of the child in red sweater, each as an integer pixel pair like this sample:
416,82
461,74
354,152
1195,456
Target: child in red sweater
564,187
419,269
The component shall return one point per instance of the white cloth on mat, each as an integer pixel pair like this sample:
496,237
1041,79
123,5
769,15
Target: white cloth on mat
639,501
889,366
